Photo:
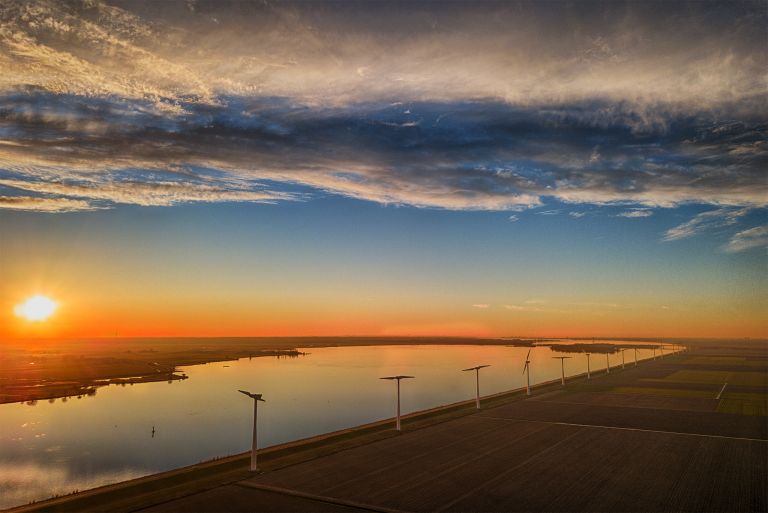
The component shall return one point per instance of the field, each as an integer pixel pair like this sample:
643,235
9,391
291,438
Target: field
649,438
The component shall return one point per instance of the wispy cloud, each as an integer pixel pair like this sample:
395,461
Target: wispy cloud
577,215
705,221
481,305
756,237
513,218
524,308
595,305
34,204
636,213
160,104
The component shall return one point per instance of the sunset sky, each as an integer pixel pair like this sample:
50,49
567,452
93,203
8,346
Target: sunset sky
384,168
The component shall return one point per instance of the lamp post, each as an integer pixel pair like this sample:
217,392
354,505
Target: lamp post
477,382
397,378
588,374
562,367
256,398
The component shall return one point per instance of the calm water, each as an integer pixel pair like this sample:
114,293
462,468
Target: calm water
53,448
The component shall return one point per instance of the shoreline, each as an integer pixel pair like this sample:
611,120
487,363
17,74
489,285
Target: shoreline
81,368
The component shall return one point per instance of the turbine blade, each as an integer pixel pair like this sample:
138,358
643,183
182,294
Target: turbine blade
529,354
525,367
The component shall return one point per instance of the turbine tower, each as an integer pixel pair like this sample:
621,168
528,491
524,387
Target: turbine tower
588,374
398,378
622,358
607,364
562,367
635,357
477,382
256,398
527,372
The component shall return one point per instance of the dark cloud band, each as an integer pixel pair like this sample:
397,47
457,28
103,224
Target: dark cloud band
456,155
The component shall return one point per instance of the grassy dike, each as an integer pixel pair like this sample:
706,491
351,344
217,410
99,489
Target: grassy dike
173,484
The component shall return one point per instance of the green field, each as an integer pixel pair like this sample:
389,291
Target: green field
739,361
744,403
711,377
667,392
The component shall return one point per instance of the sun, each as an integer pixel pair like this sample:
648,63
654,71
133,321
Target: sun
36,308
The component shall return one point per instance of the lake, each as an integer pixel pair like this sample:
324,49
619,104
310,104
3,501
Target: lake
55,447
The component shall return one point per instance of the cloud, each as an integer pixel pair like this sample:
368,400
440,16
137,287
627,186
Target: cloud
597,305
481,305
635,213
577,215
756,237
514,51
524,308
492,107
513,218
35,204
705,221
477,161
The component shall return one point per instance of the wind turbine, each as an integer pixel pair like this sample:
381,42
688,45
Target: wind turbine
562,367
622,358
477,382
588,375
635,357
398,378
527,372
607,364
256,398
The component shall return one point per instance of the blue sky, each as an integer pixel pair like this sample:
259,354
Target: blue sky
430,157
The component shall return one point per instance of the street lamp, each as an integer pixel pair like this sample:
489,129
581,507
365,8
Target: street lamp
477,382
256,398
398,378
562,367
588,375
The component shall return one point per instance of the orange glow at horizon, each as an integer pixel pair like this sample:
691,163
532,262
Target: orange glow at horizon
214,317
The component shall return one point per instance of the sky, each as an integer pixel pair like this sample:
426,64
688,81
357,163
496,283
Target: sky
193,168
